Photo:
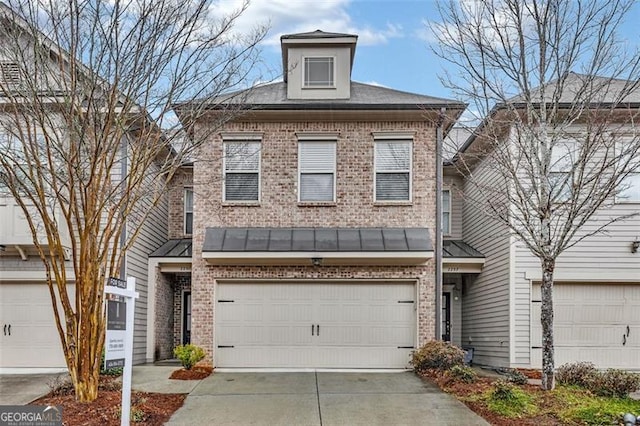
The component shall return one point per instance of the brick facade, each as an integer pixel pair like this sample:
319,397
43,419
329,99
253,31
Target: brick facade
278,207
164,319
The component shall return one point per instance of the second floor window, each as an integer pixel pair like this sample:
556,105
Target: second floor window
563,155
241,171
318,72
188,211
446,212
630,192
10,74
317,171
392,170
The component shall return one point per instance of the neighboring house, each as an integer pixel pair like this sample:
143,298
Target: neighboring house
30,338
303,234
596,290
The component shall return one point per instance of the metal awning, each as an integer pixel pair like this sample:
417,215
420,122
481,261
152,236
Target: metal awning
305,246
460,257
175,248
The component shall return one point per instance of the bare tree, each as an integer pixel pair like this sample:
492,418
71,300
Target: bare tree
88,135
559,93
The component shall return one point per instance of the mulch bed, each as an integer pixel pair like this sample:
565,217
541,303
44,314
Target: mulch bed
463,390
196,373
149,409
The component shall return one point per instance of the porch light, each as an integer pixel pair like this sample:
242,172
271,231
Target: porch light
317,261
634,246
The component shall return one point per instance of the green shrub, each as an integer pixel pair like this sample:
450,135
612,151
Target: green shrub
510,401
437,355
463,373
189,355
577,374
516,377
615,383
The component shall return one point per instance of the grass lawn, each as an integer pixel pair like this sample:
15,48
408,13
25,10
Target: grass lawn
502,403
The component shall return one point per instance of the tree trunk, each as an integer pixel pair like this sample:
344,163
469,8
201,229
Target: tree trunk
546,318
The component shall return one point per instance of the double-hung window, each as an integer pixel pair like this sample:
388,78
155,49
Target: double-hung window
563,157
393,170
319,72
630,186
188,211
241,171
446,212
317,171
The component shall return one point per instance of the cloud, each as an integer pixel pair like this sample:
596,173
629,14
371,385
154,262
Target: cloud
286,17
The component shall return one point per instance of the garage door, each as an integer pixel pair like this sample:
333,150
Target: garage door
598,323
29,335
315,325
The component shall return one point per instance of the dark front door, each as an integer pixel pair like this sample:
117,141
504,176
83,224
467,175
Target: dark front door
446,317
186,318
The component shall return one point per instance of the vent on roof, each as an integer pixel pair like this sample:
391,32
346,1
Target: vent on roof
10,74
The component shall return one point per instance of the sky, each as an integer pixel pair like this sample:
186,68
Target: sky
393,46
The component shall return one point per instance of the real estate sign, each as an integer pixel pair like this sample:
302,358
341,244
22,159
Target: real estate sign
114,343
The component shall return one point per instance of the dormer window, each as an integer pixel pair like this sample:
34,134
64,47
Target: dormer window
319,72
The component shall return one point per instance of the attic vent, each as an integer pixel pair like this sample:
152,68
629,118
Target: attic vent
10,74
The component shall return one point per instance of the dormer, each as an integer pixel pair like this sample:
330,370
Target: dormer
317,65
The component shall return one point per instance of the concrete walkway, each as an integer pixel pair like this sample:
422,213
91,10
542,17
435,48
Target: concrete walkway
323,398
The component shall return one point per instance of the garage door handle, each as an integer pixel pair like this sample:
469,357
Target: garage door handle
318,330
4,330
312,326
624,340
9,329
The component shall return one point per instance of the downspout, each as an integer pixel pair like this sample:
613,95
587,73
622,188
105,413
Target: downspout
438,231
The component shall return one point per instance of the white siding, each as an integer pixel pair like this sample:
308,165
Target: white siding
152,235
485,301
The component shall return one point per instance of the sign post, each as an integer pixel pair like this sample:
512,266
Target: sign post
119,337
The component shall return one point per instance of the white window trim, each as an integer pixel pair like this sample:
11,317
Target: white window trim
624,200
304,70
334,171
399,138
448,231
237,139
184,210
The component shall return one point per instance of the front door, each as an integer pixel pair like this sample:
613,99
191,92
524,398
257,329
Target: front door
186,318
446,317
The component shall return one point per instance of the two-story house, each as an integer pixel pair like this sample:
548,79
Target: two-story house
596,282
303,233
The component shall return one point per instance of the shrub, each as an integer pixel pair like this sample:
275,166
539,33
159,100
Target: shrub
463,373
576,373
614,383
516,377
510,401
437,355
189,355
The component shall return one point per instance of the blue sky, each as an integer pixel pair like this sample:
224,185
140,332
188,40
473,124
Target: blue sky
393,47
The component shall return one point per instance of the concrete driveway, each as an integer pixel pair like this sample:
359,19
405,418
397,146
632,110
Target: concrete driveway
329,398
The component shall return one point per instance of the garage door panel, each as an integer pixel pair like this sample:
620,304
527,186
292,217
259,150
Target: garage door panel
590,324
353,319
27,308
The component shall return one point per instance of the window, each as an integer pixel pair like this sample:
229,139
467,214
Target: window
563,155
392,170
188,211
630,185
241,171
446,212
10,73
317,170
318,72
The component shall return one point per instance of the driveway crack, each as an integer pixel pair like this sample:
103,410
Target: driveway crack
318,398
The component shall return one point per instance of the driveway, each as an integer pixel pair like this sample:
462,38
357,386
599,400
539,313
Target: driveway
329,398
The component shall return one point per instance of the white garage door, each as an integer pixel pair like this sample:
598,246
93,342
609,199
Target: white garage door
29,335
315,325
598,323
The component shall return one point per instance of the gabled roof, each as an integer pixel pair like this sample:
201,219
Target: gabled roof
316,34
600,92
273,96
